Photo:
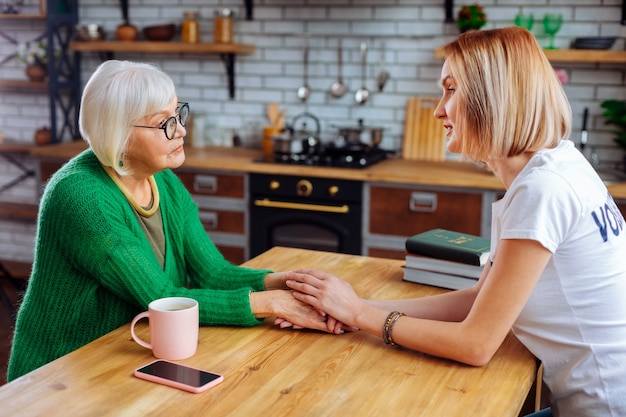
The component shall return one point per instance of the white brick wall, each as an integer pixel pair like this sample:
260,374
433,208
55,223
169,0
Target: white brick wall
411,29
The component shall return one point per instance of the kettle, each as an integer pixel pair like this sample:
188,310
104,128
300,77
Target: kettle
310,140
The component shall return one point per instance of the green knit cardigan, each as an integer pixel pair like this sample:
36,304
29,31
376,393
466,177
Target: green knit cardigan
94,268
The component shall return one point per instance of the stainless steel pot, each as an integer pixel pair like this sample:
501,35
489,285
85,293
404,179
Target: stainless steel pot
368,135
285,143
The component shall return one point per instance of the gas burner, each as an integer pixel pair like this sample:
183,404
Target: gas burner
353,156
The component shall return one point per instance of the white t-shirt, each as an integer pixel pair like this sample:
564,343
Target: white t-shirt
575,318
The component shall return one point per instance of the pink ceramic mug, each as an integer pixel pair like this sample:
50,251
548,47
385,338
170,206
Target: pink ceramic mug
173,327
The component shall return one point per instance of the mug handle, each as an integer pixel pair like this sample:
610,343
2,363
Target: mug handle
132,329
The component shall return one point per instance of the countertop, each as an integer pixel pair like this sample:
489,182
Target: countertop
392,170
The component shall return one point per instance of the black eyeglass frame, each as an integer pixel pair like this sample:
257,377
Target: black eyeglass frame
173,119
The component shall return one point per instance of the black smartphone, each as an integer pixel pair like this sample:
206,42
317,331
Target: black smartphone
178,376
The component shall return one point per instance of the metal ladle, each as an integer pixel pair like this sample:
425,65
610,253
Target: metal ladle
304,91
362,94
383,75
338,88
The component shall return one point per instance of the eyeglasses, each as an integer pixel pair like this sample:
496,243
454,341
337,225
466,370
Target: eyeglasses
171,124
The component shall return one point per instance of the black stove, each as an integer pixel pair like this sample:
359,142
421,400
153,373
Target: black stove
330,155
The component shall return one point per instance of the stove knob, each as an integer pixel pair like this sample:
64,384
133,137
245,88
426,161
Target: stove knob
274,185
304,188
333,190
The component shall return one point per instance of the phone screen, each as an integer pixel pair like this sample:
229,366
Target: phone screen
179,373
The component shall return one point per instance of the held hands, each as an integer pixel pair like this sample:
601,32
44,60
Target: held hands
328,294
292,312
302,315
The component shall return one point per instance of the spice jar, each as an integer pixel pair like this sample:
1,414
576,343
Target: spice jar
190,32
223,26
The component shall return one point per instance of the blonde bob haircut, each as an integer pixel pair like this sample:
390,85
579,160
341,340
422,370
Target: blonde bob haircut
510,100
116,97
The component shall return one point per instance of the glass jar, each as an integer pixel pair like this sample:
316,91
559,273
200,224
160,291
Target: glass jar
223,26
190,31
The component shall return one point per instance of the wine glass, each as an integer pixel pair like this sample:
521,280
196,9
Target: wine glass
525,20
551,25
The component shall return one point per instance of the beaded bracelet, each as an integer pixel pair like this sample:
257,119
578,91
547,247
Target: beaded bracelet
388,326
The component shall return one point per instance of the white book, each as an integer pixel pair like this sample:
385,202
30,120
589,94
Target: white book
453,282
443,266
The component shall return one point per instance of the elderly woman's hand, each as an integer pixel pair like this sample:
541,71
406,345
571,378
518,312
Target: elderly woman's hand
281,303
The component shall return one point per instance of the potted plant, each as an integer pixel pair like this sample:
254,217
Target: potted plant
470,17
35,55
615,114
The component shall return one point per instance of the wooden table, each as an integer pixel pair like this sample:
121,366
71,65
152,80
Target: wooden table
273,372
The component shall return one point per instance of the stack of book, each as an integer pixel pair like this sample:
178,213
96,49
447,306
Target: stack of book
445,258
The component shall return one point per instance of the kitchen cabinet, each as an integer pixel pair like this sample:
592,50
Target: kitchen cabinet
393,212
464,193
222,203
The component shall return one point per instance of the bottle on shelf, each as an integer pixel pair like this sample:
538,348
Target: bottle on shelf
223,26
190,30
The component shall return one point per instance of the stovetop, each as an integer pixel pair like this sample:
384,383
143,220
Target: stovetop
332,156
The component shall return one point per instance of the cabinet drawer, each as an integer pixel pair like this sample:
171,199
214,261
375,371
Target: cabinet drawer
222,221
386,253
233,254
219,185
406,211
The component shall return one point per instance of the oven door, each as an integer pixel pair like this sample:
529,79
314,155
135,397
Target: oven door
311,222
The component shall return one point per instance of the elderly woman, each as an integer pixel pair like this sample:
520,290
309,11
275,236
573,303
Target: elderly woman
557,275
117,229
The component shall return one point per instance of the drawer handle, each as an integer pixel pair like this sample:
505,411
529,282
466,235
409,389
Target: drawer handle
206,184
423,202
209,219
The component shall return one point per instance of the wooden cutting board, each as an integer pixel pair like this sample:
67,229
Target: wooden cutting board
424,135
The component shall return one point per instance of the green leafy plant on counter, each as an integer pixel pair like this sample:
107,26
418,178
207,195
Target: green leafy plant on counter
615,114
471,16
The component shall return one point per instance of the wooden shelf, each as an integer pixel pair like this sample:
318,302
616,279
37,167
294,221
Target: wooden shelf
586,55
16,147
22,16
576,55
162,47
226,51
23,84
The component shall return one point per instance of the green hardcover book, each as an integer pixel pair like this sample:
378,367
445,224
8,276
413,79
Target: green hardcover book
451,246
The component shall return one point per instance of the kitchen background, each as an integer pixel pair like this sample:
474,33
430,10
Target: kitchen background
401,36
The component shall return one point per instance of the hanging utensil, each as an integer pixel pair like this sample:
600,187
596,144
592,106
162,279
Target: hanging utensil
338,88
583,133
304,91
362,94
383,76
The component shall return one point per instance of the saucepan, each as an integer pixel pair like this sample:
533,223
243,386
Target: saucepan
368,135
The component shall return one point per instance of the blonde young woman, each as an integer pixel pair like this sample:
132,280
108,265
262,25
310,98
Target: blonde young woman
557,275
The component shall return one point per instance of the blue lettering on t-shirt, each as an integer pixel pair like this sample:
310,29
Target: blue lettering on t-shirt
611,219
